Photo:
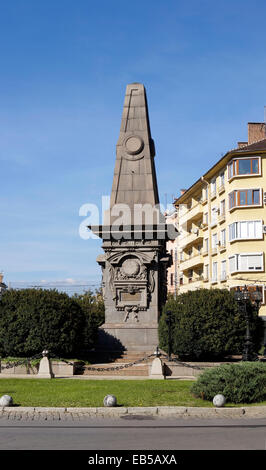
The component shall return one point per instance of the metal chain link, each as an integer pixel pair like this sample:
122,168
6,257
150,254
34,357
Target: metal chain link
9,365
188,365
101,369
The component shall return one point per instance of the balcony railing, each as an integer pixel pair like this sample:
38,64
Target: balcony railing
193,237
221,218
223,276
193,213
221,189
191,262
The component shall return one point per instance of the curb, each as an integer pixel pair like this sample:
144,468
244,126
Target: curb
156,411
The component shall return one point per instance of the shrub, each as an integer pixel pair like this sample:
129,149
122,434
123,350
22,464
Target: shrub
244,382
207,325
31,319
92,306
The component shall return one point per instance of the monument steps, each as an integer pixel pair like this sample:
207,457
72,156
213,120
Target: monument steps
136,370
127,357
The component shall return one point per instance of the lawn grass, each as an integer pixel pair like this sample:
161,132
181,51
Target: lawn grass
90,393
83,393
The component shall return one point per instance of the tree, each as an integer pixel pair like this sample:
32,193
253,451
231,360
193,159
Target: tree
207,325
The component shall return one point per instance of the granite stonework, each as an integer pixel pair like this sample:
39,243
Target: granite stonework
135,261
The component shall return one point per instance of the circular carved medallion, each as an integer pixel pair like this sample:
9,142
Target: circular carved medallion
134,144
130,267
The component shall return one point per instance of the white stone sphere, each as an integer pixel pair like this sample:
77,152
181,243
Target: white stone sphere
6,400
110,400
219,400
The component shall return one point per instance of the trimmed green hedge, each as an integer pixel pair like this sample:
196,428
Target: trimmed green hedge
207,325
239,383
33,319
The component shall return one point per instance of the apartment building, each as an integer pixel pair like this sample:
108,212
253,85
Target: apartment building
173,249
222,222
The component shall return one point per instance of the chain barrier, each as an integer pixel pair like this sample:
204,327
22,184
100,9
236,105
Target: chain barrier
113,368
9,365
185,364
21,362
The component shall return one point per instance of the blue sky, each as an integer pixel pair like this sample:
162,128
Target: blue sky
64,69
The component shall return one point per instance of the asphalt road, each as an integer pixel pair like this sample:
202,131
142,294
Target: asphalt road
134,433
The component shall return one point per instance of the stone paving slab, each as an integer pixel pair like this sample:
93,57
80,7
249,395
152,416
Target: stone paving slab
71,413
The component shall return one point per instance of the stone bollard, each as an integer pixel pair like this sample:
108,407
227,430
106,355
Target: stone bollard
110,400
219,400
156,371
6,400
45,367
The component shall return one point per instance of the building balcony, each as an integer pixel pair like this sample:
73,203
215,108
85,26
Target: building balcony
195,236
221,189
223,276
191,262
221,218
195,283
193,214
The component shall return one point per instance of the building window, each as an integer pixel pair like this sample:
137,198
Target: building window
223,270
223,237
206,271
243,167
232,264
222,178
245,198
214,216
222,207
172,279
214,271
247,229
213,187
214,241
246,262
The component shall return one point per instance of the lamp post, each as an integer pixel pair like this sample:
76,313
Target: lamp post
257,297
242,298
169,322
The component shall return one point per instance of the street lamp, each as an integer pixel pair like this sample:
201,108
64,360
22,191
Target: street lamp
243,297
169,322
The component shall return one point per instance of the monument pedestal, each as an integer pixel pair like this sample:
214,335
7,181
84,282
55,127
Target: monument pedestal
131,337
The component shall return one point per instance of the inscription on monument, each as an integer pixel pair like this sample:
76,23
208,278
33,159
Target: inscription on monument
127,297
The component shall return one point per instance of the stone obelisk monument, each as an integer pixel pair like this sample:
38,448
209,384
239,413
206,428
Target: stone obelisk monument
134,232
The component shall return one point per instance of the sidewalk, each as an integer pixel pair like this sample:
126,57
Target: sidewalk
40,413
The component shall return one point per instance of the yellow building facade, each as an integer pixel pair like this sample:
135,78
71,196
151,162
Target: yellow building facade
222,222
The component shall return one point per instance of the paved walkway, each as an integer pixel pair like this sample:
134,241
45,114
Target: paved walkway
41,413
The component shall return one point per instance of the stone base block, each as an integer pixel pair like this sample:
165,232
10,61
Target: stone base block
119,336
